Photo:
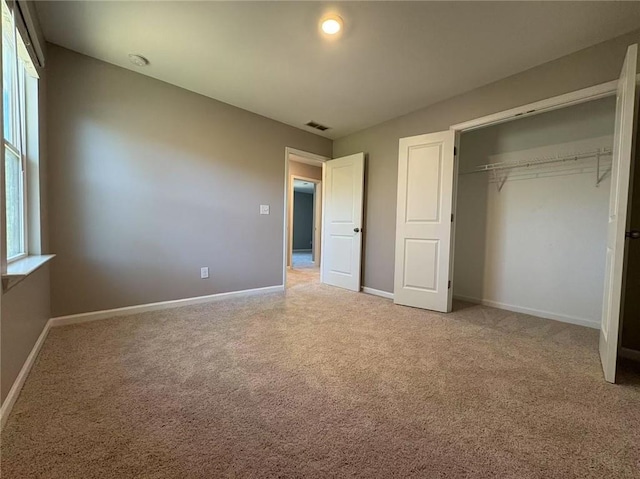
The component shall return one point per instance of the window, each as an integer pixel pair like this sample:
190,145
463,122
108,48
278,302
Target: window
17,70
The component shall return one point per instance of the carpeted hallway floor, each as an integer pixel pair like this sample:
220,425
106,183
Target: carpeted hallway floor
302,259
321,382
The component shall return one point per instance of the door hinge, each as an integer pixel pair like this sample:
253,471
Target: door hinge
449,285
452,217
455,151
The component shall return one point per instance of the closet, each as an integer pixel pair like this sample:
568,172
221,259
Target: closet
531,213
525,209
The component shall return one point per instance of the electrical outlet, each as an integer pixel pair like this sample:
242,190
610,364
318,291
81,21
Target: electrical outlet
204,272
264,209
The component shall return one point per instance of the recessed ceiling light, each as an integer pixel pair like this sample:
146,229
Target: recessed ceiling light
138,60
331,25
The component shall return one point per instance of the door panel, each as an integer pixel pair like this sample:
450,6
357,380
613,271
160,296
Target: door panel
421,264
618,214
342,233
426,167
424,175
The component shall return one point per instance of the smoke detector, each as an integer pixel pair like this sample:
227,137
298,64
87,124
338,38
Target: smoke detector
138,60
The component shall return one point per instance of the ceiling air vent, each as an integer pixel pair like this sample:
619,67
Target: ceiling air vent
317,126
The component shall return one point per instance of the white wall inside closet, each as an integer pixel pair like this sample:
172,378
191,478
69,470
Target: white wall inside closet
537,244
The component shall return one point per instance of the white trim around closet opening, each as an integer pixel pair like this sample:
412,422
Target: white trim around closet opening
561,101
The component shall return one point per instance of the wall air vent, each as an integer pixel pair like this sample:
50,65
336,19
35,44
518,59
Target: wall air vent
317,126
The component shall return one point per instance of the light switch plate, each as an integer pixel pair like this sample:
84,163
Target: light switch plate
264,209
204,272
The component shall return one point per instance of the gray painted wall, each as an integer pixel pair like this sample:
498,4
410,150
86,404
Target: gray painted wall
297,168
25,311
302,220
148,182
598,64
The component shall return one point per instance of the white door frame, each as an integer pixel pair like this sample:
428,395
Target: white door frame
317,224
302,157
554,103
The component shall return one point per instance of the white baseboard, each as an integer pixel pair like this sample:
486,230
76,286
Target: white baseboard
377,292
629,353
142,308
589,323
14,392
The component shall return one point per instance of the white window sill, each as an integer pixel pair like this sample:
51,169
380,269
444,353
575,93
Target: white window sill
20,269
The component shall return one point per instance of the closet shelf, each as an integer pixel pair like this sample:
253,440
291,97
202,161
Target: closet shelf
494,168
543,161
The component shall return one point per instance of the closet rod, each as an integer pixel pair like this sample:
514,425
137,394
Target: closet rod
543,161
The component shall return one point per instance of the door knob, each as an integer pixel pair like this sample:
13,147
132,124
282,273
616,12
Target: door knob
634,234
356,230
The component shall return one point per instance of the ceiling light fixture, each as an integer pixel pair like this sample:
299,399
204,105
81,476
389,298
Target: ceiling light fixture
138,60
331,25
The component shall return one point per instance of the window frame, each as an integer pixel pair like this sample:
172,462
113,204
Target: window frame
23,193
18,123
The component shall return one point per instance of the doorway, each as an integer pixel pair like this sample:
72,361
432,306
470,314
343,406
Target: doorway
303,217
336,245
531,213
306,222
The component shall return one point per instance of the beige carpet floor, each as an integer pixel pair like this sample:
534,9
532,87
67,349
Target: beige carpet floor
320,382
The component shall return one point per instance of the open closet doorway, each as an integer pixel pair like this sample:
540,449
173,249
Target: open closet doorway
532,211
303,213
524,202
585,173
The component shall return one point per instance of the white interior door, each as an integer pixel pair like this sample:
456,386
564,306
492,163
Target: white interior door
342,223
424,236
618,216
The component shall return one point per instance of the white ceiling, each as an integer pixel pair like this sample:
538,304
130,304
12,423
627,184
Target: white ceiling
393,58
